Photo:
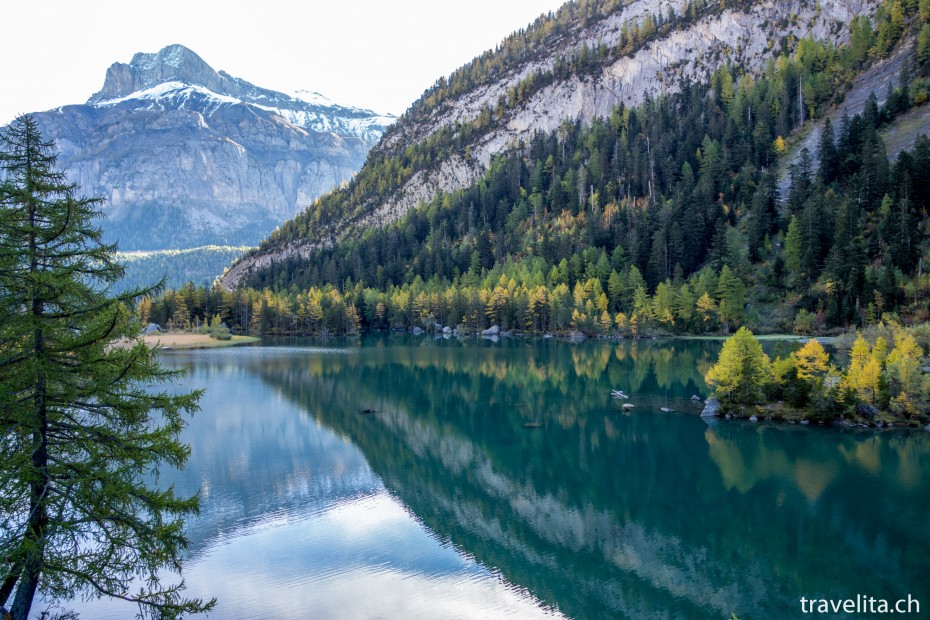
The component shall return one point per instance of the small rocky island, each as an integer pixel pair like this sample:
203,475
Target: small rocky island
883,384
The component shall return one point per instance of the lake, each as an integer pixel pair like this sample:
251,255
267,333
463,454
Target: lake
444,504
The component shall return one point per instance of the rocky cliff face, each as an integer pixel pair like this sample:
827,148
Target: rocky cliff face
749,35
748,38
188,156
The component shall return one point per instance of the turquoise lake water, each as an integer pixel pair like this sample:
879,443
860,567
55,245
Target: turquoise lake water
444,504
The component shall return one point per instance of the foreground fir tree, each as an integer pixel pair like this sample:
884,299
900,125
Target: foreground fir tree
82,424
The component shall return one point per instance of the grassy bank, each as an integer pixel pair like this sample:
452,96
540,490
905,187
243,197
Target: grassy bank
174,341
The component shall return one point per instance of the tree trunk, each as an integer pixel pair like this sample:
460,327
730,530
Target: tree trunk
10,582
34,543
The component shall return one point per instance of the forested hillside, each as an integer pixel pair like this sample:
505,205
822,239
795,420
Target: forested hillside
661,217
573,66
197,265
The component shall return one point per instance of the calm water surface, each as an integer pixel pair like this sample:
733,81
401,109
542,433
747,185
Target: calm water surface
444,505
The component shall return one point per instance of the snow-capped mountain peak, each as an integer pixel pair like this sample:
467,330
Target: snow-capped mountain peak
186,155
176,77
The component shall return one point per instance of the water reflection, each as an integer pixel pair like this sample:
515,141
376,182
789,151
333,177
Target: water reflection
444,504
648,514
254,454
294,523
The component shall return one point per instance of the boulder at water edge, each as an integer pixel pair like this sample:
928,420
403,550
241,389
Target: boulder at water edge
711,408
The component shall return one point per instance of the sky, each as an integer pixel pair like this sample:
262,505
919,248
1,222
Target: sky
375,54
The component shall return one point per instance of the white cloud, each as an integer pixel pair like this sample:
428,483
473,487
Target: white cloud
366,558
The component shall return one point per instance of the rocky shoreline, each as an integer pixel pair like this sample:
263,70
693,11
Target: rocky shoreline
866,416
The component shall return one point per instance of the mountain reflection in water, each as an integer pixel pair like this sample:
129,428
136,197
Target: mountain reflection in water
443,504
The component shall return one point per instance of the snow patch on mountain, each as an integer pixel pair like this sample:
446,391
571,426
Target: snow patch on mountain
173,91
174,75
180,95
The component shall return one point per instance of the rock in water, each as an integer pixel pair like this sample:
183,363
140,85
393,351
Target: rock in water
494,330
711,408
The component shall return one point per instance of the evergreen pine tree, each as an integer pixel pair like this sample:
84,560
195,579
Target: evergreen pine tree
764,215
793,248
800,183
732,295
847,260
873,172
81,424
813,242
923,49
829,156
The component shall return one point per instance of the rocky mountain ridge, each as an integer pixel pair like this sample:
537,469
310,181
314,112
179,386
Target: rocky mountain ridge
176,68
657,68
748,34
188,156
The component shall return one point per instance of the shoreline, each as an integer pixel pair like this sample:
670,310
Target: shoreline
180,341
571,336
839,426
775,414
184,341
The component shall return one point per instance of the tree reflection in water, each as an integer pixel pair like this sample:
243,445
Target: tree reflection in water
605,514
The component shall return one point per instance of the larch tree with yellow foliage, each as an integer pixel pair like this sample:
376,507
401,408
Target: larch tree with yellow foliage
863,375
908,385
812,361
742,371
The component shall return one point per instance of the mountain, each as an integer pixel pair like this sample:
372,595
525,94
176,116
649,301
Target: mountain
777,182
188,156
573,66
